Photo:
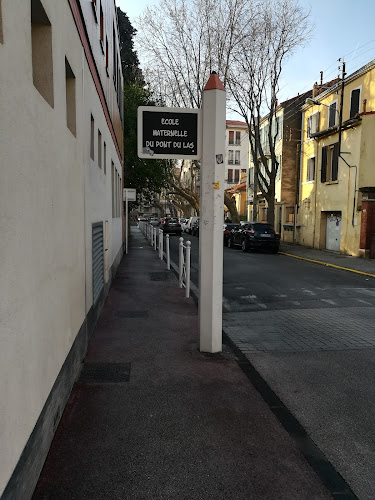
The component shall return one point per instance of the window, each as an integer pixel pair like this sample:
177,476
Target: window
238,138
237,157
332,112
106,55
313,124
41,42
1,26
264,140
101,24
355,99
230,175
231,137
330,163
310,174
236,176
114,56
230,156
70,90
113,188
105,159
92,155
278,173
99,149
278,128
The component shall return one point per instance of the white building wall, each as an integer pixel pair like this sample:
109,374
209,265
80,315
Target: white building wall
243,147
50,194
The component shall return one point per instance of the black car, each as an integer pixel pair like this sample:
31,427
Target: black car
172,225
253,236
228,228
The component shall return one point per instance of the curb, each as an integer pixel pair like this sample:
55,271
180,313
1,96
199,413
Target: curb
322,263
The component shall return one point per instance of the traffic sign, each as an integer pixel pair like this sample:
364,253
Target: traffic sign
169,133
130,194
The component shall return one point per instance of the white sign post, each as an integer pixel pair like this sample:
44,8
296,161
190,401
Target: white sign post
177,133
129,195
211,216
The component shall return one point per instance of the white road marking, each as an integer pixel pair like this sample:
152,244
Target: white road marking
226,304
329,301
249,297
364,302
308,292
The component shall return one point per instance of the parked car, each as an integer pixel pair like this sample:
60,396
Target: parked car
189,224
195,228
253,236
172,225
154,221
227,230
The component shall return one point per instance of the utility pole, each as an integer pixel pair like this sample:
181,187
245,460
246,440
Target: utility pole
342,99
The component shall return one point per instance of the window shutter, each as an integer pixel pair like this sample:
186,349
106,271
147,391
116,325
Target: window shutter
323,172
315,126
354,103
332,115
335,161
309,126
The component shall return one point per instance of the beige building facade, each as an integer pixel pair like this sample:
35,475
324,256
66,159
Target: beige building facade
337,203
60,212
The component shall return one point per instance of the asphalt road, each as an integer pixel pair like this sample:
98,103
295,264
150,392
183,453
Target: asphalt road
309,330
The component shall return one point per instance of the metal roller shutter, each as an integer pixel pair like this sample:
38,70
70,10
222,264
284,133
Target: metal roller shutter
97,261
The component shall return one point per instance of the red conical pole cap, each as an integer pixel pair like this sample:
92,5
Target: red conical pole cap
214,83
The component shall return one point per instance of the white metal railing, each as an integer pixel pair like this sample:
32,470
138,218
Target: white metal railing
156,238
184,265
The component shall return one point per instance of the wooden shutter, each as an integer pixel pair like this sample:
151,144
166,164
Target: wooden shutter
354,103
335,161
323,171
332,115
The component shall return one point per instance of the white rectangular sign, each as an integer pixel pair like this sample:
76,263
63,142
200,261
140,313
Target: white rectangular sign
130,194
169,133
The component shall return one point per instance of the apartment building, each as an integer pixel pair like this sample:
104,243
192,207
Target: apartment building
337,200
236,151
61,177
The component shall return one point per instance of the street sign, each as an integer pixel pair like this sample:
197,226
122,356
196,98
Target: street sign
130,194
169,133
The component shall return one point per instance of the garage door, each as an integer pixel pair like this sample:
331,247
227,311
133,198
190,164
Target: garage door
333,232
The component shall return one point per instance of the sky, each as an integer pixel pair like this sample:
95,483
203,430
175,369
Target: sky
342,29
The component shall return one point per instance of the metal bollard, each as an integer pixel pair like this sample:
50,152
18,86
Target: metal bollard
167,250
161,245
180,260
187,289
155,237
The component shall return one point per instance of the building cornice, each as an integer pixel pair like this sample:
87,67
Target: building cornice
78,19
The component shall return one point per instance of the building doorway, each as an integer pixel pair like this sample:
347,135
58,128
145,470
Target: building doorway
333,231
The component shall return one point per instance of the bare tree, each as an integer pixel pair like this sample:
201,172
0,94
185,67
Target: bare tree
182,43
278,28
245,41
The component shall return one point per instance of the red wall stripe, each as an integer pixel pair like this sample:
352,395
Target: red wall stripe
90,61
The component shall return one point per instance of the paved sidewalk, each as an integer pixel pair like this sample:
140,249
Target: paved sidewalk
153,418
330,257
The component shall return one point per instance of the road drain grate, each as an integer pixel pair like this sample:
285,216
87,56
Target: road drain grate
104,373
162,276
